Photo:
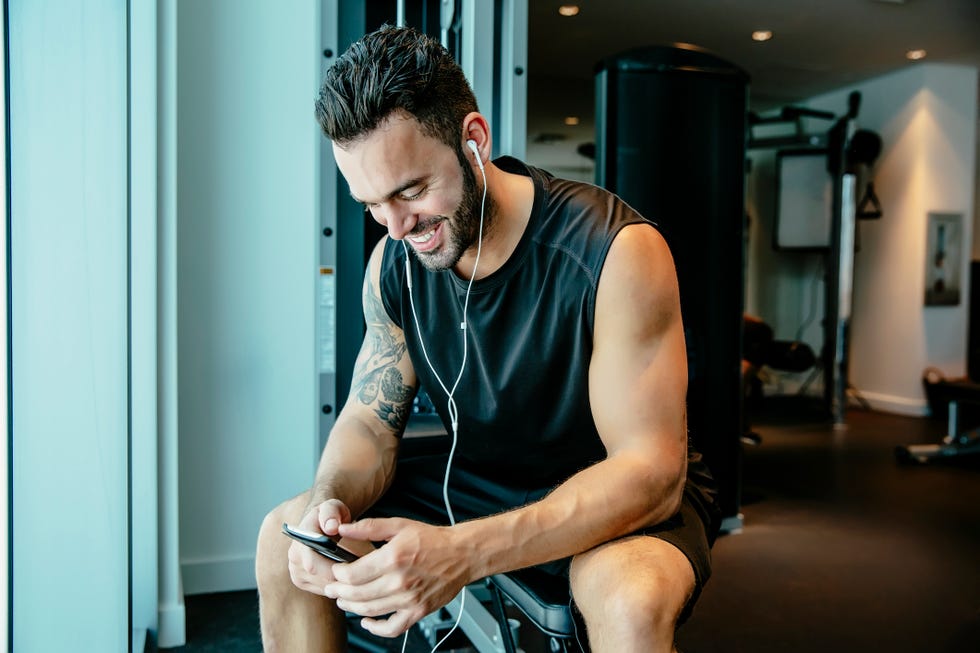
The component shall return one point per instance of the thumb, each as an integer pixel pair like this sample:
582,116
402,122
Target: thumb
331,514
376,529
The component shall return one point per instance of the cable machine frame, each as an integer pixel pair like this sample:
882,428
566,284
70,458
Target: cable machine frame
839,254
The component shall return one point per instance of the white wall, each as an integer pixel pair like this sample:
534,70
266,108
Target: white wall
4,359
247,75
69,217
927,118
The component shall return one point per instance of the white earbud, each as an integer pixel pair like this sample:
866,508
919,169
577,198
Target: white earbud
472,145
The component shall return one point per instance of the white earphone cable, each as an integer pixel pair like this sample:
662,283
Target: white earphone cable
450,392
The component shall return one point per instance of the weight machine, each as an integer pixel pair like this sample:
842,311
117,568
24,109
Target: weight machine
847,150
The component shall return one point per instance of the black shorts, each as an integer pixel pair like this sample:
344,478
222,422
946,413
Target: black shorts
417,493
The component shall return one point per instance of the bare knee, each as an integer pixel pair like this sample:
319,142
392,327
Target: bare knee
625,596
291,619
271,563
633,589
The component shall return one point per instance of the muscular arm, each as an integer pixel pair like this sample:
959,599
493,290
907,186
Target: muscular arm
637,386
359,459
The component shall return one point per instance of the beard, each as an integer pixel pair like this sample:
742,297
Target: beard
462,229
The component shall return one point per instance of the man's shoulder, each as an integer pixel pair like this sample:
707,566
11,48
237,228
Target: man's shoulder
574,216
574,209
559,188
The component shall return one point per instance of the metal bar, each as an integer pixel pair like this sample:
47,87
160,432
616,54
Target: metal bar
477,622
512,122
954,421
498,607
845,276
477,53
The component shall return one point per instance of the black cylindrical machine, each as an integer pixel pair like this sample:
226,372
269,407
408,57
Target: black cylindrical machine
670,140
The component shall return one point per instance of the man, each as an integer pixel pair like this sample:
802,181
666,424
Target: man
543,318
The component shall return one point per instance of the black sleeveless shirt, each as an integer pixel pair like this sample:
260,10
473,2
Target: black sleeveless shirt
523,399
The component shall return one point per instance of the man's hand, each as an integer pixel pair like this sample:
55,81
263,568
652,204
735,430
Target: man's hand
309,570
418,570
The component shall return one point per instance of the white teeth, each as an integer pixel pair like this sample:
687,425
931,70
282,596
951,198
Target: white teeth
424,238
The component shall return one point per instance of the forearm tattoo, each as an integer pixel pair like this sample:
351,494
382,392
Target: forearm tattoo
377,381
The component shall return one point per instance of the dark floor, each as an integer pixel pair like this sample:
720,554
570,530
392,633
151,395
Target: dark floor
842,550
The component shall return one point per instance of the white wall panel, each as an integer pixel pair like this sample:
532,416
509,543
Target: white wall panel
69,214
4,360
247,76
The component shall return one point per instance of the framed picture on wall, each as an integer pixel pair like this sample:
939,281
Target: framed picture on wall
944,249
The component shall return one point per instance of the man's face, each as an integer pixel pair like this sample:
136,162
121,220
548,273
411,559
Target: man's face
416,187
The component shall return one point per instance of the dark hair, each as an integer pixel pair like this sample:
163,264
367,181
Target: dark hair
391,69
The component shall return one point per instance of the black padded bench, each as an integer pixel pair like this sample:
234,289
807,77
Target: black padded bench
544,600
488,627
957,442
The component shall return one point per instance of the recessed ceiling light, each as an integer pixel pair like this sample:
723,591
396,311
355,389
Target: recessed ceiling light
761,35
571,121
568,10
915,55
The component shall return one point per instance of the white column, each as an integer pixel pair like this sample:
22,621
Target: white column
512,121
69,291
172,617
4,359
476,59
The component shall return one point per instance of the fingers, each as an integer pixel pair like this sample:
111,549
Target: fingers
371,599
309,571
393,626
374,529
382,595
400,609
299,557
385,605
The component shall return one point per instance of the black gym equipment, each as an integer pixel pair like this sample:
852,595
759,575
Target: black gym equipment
958,442
958,398
850,153
670,140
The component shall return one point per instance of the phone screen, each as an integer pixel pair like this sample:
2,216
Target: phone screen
321,544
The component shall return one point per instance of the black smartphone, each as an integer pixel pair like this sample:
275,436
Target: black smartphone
321,544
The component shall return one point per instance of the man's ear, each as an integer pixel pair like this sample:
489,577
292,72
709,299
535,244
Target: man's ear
477,129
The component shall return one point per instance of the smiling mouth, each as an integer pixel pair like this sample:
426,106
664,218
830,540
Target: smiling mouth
424,233
424,238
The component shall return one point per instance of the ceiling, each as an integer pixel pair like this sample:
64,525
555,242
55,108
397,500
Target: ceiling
818,46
